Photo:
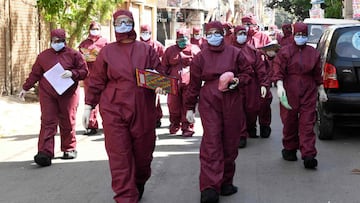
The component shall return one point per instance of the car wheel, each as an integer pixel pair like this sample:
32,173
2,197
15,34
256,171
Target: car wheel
326,127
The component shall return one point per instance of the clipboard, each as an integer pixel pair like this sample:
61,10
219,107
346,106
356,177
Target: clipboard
53,76
151,79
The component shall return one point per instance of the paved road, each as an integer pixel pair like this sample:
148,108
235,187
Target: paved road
262,176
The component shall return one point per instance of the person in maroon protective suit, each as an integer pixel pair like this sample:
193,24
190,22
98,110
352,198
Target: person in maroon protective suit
197,38
274,33
297,70
258,87
57,110
127,110
222,69
288,37
145,36
256,37
90,48
229,28
176,61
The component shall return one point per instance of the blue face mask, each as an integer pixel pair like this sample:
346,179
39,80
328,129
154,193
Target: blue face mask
182,42
214,40
58,46
241,39
300,40
123,28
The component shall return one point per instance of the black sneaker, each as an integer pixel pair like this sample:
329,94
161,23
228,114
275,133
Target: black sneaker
209,195
265,131
289,155
69,155
252,133
158,124
310,162
227,190
243,142
91,131
42,159
140,188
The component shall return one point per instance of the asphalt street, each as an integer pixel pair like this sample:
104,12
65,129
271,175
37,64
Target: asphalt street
261,175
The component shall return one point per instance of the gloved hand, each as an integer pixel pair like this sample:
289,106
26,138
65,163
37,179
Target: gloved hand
160,90
263,91
322,94
66,74
86,115
280,88
234,83
190,116
22,94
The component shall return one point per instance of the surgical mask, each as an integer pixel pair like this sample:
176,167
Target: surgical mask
197,37
58,46
271,53
300,40
95,32
214,40
123,28
241,39
145,36
182,42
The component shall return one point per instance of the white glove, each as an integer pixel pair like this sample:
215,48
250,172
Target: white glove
322,94
66,74
160,90
263,91
280,89
22,94
190,116
86,116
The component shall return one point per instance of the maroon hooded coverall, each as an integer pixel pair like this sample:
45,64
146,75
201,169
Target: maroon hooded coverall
127,110
57,109
174,59
299,69
259,77
92,46
221,113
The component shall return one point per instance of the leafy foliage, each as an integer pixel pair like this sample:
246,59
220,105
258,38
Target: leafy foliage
333,9
75,15
299,8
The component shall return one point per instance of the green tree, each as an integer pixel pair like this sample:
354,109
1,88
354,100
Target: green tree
333,9
299,8
74,15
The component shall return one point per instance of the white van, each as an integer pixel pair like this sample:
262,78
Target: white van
316,27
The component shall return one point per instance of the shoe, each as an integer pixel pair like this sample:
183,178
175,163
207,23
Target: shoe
187,133
174,128
252,133
90,131
289,155
42,159
227,190
158,124
265,131
69,155
140,188
209,195
310,162
243,142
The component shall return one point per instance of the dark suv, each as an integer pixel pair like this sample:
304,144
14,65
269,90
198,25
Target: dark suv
339,47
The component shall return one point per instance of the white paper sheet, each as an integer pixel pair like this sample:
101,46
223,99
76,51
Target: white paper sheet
53,75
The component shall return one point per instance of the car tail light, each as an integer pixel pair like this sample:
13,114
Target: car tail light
330,80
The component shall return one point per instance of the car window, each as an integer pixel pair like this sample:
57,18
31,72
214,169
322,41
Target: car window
348,44
315,32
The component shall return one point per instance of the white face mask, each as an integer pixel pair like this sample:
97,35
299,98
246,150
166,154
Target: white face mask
145,36
214,40
58,46
123,28
95,32
271,53
241,39
197,37
300,40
